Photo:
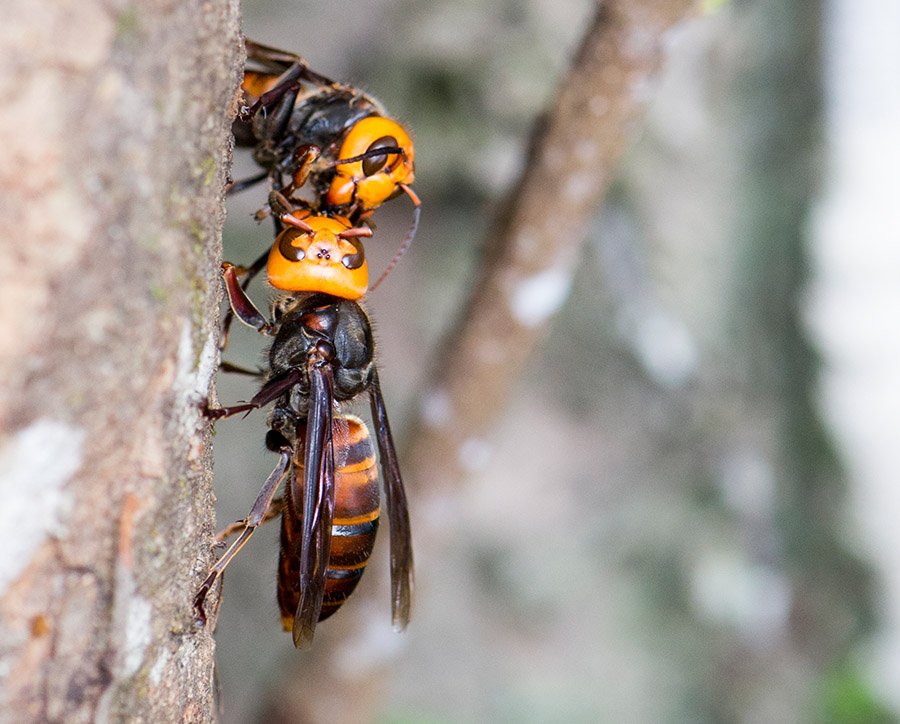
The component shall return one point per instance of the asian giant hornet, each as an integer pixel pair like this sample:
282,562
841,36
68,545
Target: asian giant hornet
316,240
322,354
312,130
307,130
319,253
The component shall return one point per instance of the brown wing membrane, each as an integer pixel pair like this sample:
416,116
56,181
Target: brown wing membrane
284,89
317,495
398,512
281,60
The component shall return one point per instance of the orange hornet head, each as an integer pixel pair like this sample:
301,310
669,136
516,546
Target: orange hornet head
318,253
373,177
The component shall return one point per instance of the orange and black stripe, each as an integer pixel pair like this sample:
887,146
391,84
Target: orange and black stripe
356,512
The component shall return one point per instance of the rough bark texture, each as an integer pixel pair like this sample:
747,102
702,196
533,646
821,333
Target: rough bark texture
116,128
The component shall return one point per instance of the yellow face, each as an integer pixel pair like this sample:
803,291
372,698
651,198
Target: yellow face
373,180
320,260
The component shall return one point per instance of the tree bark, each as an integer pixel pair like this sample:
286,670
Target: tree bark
116,124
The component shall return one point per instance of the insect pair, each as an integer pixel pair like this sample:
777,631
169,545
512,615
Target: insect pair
314,136
326,147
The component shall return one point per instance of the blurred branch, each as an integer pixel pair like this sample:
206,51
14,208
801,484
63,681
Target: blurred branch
535,245
117,128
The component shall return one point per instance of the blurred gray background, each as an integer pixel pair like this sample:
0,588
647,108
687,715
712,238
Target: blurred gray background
688,512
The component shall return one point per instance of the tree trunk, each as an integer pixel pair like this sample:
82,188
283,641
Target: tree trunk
116,125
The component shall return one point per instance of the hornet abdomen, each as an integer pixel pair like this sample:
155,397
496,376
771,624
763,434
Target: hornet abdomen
355,522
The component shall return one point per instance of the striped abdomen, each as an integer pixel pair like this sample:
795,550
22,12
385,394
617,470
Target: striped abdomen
356,510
